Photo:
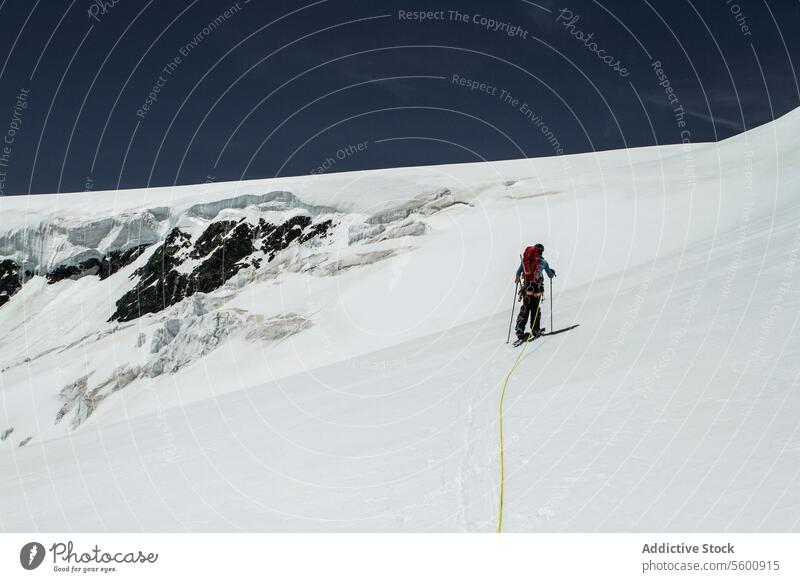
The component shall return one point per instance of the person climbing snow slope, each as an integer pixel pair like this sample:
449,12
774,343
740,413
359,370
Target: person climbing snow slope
529,276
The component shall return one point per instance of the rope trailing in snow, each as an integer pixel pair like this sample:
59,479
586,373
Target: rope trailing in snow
502,451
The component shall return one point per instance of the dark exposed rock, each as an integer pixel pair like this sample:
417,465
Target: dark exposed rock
82,269
10,280
280,237
224,263
159,284
105,267
224,248
211,238
116,260
319,230
6,433
166,257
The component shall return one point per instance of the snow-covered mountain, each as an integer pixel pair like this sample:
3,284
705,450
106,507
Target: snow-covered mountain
326,352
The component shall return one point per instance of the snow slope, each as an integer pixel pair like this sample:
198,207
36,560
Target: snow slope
352,382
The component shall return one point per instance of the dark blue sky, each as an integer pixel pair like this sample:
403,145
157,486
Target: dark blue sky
287,88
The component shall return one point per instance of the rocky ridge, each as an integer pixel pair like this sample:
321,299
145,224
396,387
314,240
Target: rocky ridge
184,268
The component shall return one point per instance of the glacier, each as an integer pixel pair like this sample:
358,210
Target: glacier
325,353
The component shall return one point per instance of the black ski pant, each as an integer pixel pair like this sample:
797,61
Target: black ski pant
530,308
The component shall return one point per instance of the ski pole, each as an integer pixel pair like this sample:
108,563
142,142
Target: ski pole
552,329
513,301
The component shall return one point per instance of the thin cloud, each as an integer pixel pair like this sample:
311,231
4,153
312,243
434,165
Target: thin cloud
716,120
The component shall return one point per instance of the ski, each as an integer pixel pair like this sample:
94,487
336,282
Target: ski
529,338
520,341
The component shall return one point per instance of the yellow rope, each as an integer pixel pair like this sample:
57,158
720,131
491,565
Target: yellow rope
502,451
